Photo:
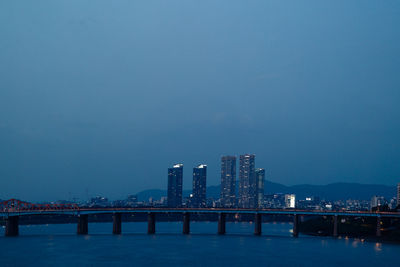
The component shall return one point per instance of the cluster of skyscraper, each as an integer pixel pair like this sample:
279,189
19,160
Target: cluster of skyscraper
251,184
175,179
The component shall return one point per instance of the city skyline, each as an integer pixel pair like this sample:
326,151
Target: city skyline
249,190
246,192
212,133
187,184
109,110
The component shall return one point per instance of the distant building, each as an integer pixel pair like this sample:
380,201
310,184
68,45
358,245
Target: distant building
274,201
247,181
132,200
312,199
99,201
398,194
260,178
228,181
199,186
377,201
290,201
175,178
393,203
164,200
309,203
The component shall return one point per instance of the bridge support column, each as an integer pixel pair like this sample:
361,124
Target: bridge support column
221,223
12,226
296,225
83,222
151,223
186,223
378,227
257,223
117,223
335,226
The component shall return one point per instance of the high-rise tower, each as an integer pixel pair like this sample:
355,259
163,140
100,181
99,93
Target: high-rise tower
260,178
175,178
247,182
228,181
199,186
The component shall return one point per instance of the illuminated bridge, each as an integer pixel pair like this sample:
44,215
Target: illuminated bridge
12,209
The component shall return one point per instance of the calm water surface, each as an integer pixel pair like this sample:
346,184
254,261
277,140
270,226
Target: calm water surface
50,245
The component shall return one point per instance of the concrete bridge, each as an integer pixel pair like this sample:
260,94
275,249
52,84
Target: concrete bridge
12,214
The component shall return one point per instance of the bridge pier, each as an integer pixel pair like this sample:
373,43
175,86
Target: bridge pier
151,223
221,223
186,223
257,223
83,224
295,225
117,223
12,228
378,226
335,226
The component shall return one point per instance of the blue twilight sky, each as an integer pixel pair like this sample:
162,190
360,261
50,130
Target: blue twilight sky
101,97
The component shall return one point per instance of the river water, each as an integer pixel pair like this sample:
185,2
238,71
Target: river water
58,245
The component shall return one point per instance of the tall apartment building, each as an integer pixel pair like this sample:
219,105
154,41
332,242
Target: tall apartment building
260,178
199,186
228,181
247,181
175,179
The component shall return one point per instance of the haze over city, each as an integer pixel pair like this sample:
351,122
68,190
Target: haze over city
105,99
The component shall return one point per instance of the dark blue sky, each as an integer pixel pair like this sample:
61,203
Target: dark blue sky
104,96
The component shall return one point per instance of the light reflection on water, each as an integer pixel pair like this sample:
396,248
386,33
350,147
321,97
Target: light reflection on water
378,247
59,244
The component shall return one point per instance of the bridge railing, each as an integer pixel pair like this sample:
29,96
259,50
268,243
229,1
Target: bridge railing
15,205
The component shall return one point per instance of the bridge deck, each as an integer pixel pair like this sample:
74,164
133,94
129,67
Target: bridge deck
89,211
